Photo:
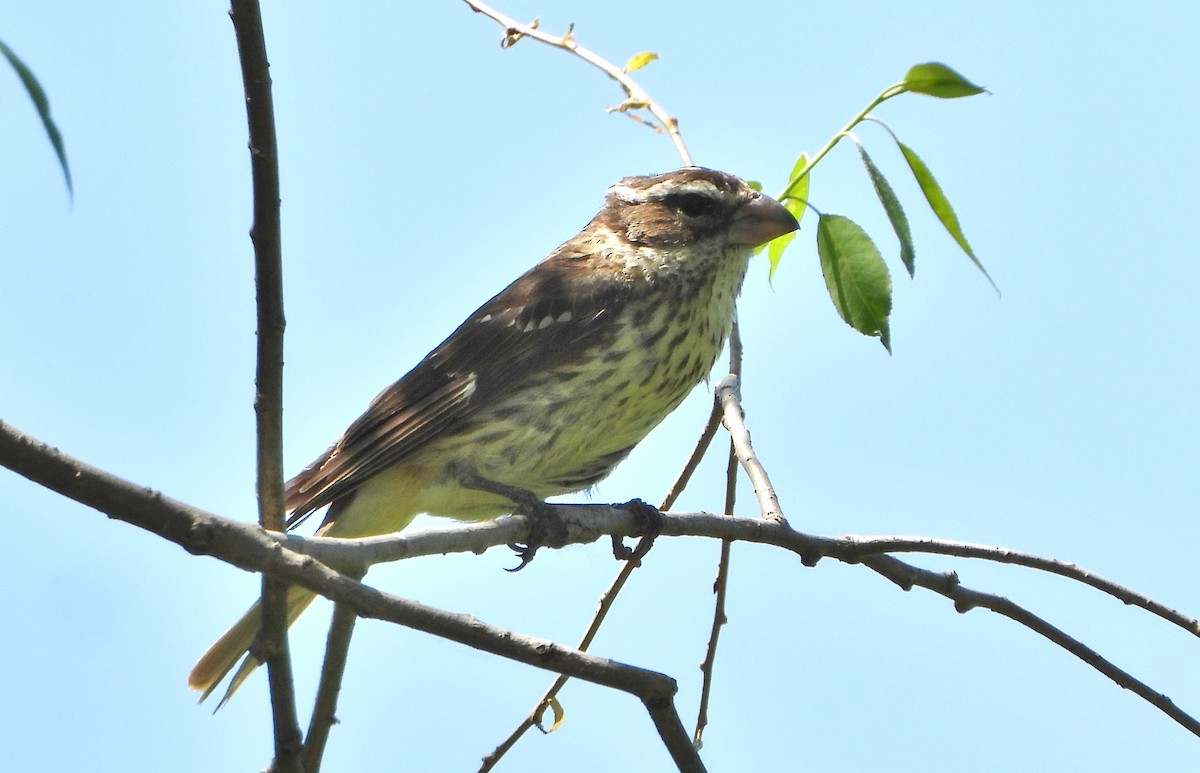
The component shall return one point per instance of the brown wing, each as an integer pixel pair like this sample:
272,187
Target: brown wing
547,316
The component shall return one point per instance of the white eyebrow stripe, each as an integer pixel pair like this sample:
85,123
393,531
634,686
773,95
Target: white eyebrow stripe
660,191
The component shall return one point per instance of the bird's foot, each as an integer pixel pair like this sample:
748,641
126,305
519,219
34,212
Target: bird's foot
546,529
650,526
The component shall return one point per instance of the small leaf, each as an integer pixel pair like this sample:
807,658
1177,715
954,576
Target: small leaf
938,80
638,61
559,715
43,108
895,213
795,202
941,205
754,185
856,276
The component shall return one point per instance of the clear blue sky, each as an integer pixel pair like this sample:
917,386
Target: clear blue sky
423,168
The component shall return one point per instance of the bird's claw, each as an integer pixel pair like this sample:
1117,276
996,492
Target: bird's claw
546,529
650,526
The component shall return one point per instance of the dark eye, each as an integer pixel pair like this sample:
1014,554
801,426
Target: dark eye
692,204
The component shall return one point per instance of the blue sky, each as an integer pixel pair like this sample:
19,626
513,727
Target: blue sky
423,168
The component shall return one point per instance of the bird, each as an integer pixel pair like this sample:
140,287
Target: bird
548,385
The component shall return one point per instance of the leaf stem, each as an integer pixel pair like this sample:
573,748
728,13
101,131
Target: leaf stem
885,95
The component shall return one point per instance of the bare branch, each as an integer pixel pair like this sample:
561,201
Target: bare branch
587,522
636,97
965,599
270,645
324,715
249,547
720,591
734,419
721,584
865,546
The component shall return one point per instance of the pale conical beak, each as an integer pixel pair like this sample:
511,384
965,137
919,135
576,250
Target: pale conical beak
759,221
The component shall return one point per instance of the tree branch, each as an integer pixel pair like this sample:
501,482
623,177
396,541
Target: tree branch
324,716
720,592
250,548
270,645
966,599
734,419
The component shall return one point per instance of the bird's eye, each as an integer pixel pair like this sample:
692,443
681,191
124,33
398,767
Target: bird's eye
692,204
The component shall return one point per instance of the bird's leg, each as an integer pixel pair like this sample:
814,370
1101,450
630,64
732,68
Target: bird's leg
650,520
546,527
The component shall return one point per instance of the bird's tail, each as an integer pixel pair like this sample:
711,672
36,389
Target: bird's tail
221,657
386,503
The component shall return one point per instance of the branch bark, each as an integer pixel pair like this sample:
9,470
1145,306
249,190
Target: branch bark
271,644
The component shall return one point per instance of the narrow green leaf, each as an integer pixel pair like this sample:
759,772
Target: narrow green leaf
800,166
794,202
856,276
941,206
776,246
43,108
638,61
895,213
938,80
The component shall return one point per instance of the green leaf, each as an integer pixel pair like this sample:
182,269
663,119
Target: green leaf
638,61
43,108
796,202
941,205
856,276
755,185
938,80
895,213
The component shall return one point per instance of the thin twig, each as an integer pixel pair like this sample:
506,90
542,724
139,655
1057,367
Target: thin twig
864,546
735,349
324,716
721,584
271,643
720,592
636,97
734,420
965,599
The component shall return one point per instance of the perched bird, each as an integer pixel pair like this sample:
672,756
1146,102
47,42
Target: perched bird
548,385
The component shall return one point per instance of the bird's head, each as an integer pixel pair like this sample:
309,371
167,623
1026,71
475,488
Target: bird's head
693,206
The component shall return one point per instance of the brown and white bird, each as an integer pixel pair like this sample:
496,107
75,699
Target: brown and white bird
548,385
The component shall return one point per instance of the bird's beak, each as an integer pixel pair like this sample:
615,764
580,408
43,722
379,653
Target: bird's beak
759,221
